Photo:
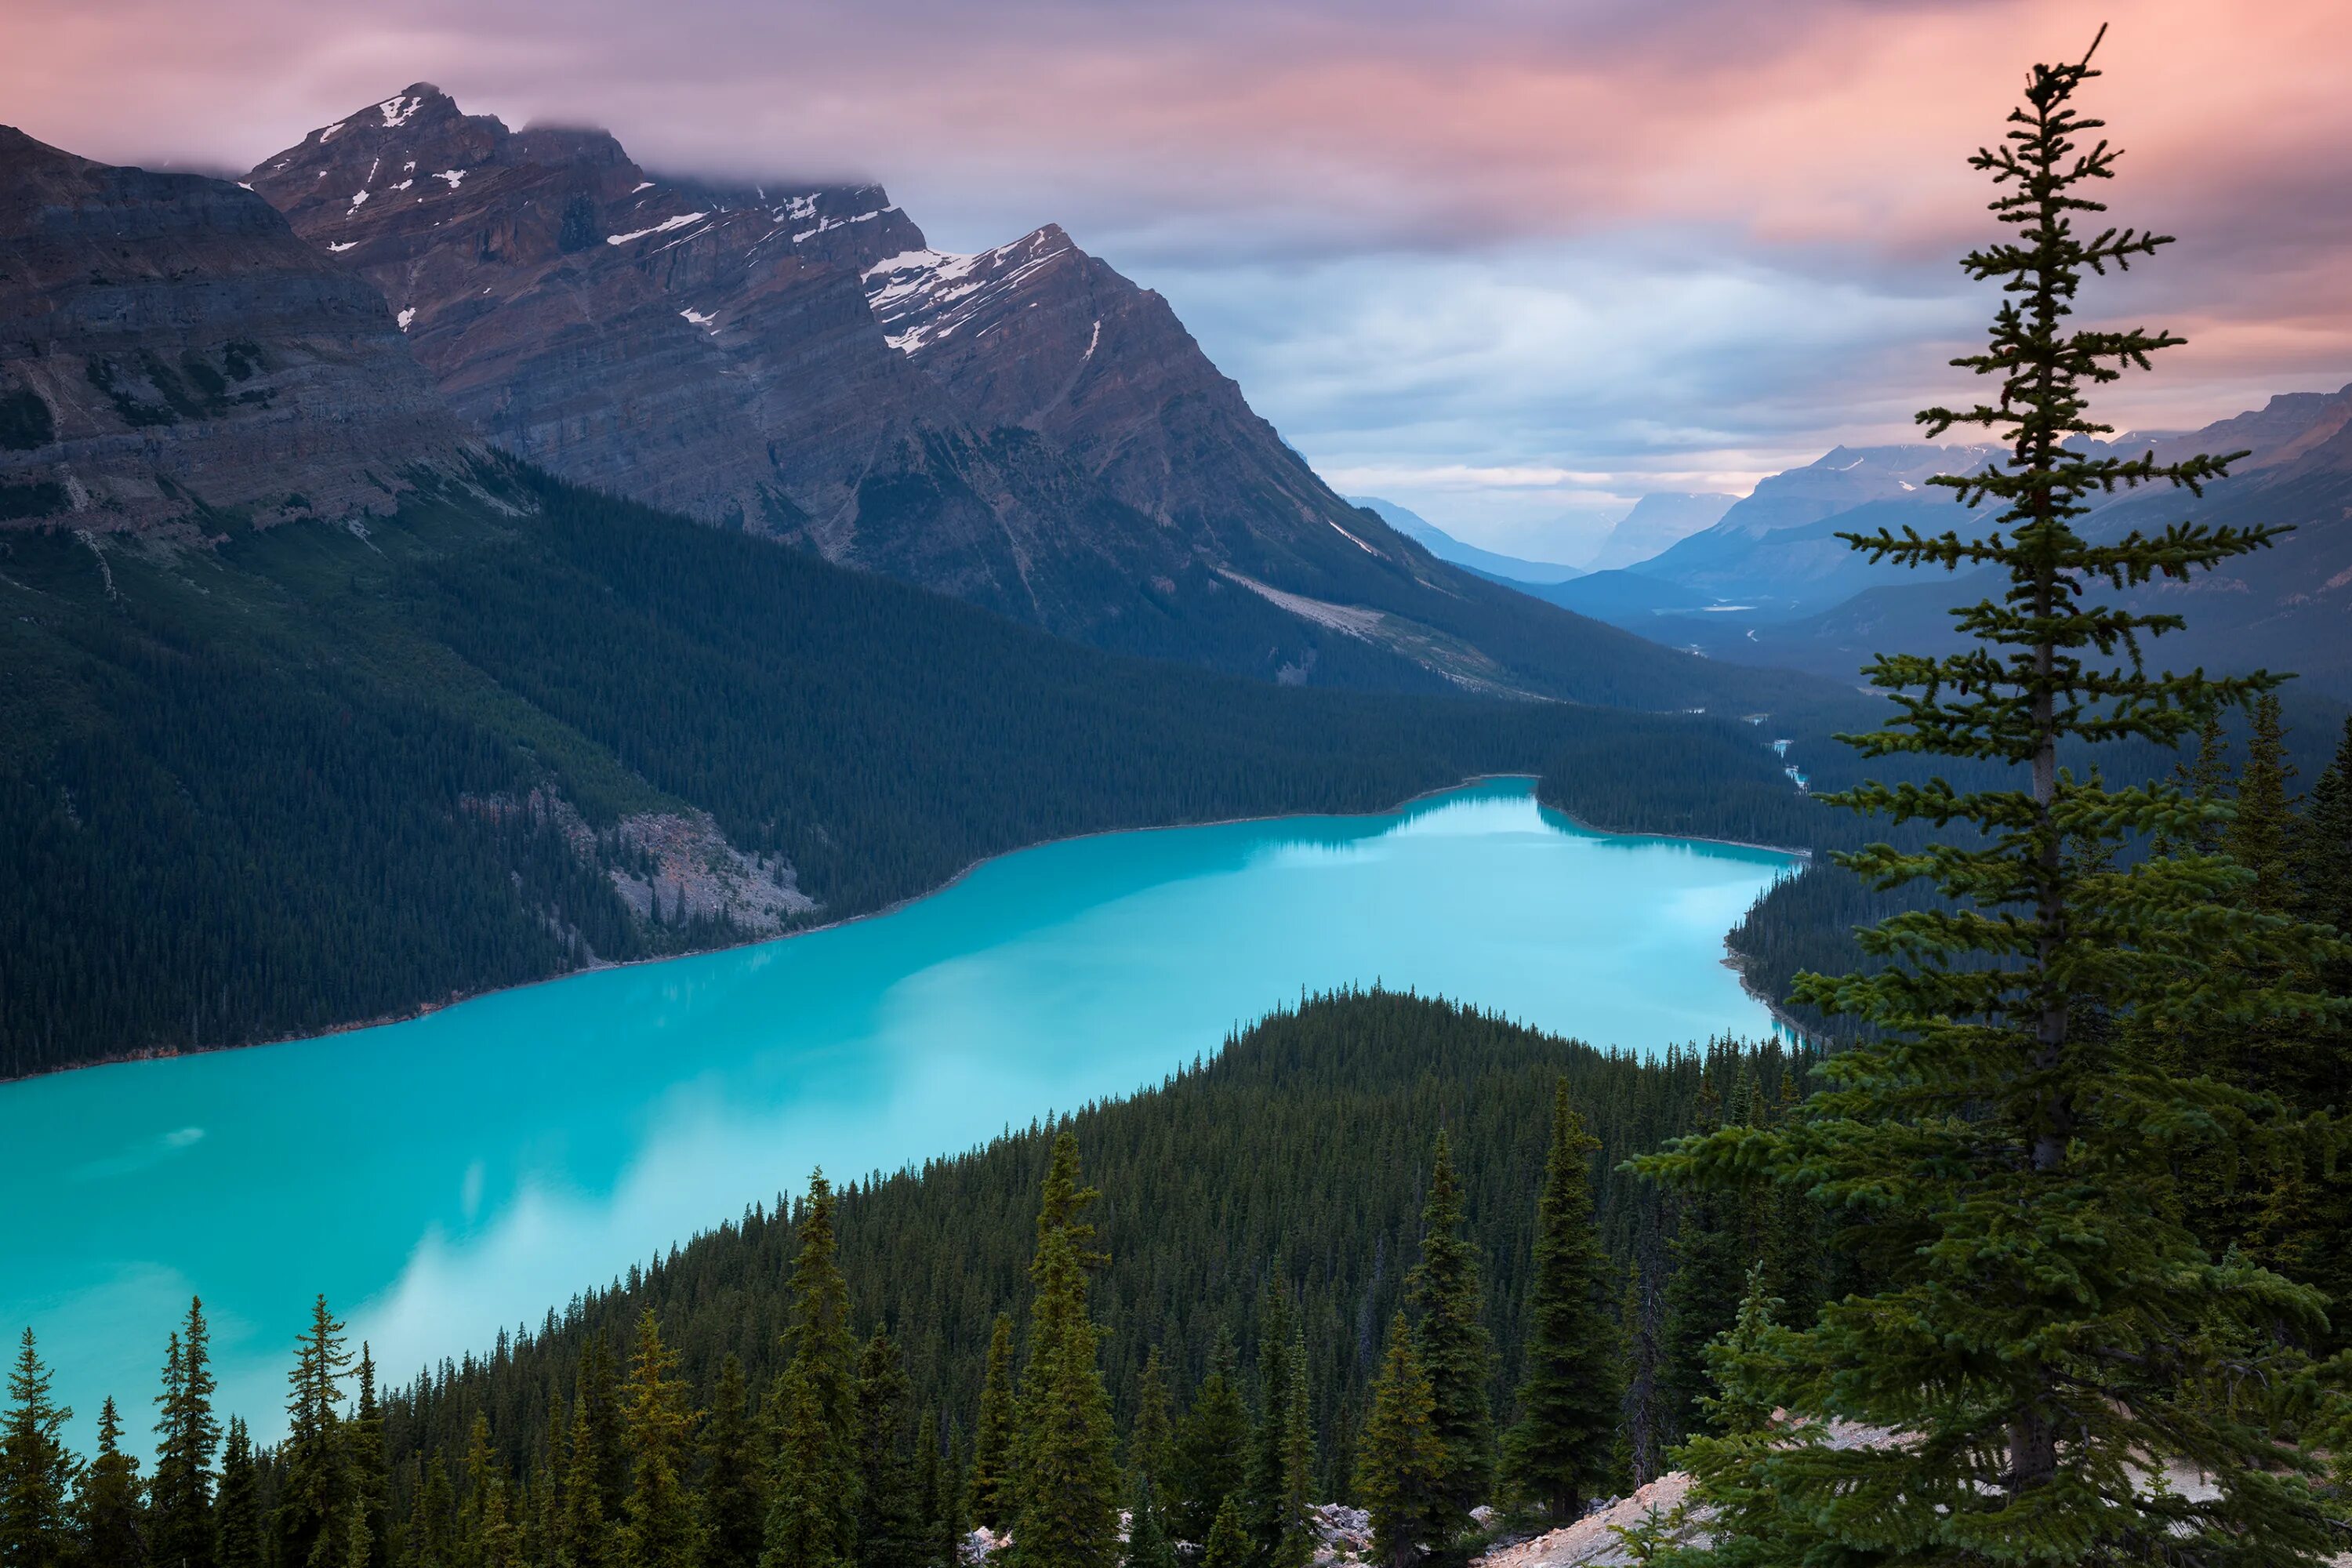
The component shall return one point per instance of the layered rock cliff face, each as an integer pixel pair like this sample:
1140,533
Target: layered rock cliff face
1039,335
705,349
172,355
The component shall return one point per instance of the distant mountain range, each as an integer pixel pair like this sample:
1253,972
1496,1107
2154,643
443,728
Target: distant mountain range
1445,547
1023,427
1657,522
1771,583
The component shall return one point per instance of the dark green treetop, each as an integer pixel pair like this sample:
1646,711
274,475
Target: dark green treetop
1450,1338
187,1434
1066,1488
812,1503
1561,1449
1400,1459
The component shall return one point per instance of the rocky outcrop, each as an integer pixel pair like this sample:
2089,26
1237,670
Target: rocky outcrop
171,354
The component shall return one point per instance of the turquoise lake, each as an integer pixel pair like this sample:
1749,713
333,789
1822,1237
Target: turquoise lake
441,1177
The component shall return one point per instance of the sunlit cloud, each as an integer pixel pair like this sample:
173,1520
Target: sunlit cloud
1620,240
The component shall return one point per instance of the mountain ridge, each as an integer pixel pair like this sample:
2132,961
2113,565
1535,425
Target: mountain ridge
1024,429
170,349
1488,564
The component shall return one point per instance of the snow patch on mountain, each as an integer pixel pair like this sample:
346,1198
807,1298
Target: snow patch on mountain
662,228
923,296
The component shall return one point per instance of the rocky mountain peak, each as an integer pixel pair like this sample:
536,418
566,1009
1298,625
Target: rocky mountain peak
171,354
705,347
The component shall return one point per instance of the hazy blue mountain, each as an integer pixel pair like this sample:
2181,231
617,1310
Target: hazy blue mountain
2284,608
1778,551
1658,522
1445,547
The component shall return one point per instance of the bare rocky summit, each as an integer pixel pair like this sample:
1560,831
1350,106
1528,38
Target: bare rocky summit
168,345
1039,335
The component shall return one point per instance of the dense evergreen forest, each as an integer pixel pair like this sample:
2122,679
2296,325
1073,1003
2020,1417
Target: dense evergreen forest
1725,781
311,775
1277,1192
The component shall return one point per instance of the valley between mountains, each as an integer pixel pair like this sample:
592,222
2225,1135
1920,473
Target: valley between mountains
463,556
1369,1051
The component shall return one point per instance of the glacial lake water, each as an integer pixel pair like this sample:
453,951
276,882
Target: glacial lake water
445,1176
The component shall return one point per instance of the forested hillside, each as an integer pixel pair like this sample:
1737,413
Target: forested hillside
1276,1191
309,774
1296,1158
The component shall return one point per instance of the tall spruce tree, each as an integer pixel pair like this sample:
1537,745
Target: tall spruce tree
187,1435
1709,1256
1209,1461
1276,1397
36,1468
1452,1346
586,1534
991,1450
498,1543
314,1490
483,1477
111,1515
1749,1525
600,1445
1148,1544
1294,1539
889,1513
1644,1446
1228,1545
371,1463
952,1526
930,1487
1151,1436
2323,856
1068,1485
1401,1460
1561,1448
2048,1332
359,1543
238,1541
433,1539
733,1506
812,1495
663,1529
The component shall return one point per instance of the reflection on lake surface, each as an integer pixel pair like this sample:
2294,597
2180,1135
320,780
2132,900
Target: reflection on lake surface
441,1177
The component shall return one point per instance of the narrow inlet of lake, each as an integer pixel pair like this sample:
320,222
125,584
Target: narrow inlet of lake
447,1176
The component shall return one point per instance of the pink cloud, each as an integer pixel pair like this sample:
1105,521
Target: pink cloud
1817,144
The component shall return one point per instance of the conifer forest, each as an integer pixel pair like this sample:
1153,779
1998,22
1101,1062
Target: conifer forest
2026,1241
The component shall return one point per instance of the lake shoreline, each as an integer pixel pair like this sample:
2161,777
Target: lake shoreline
409,1014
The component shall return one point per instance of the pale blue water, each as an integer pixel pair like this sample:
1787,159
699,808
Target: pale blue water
441,1177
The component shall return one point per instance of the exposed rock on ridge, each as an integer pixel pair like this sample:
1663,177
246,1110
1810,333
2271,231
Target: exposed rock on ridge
167,343
1040,335
702,348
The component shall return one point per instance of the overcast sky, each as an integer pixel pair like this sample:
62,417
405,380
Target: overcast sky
1510,262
